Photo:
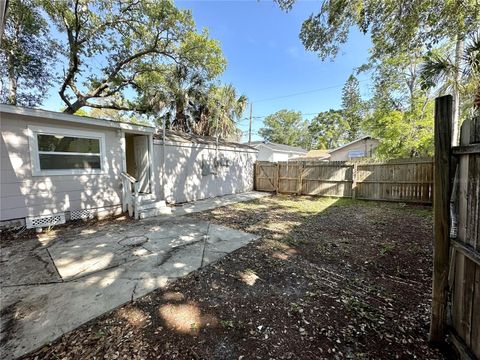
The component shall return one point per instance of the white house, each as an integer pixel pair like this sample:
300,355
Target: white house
360,148
56,167
268,151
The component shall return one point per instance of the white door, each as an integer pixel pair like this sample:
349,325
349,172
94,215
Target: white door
142,163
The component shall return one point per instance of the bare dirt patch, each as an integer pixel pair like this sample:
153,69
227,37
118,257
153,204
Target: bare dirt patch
329,279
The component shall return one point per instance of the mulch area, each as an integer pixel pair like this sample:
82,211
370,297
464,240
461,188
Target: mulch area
327,280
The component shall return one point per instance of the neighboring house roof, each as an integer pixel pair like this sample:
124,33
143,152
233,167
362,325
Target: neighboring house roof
353,142
181,137
278,147
63,117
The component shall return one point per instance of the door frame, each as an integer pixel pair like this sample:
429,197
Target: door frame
123,145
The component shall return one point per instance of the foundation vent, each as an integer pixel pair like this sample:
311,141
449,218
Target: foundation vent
45,221
81,214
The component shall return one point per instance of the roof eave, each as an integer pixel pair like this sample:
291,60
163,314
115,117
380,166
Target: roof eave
57,116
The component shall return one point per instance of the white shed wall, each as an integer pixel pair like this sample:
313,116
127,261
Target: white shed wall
184,180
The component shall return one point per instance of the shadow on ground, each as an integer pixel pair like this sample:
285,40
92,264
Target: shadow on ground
328,279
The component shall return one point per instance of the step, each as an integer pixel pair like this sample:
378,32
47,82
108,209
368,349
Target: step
144,197
155,212
152,205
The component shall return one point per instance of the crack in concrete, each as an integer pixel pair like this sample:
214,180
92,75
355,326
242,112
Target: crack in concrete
205,237
33,284
133,291
174,250
54,265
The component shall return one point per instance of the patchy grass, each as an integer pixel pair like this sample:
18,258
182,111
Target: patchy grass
328,279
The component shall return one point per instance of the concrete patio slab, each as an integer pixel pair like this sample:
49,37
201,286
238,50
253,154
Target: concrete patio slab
209,204
49,289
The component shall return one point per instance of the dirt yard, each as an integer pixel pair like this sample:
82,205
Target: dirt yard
329,278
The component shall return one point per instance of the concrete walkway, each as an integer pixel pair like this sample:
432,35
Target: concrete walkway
48,289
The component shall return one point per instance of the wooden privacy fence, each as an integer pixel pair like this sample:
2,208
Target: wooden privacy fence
456,271
408,180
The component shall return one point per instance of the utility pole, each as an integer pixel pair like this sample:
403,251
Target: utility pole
250,127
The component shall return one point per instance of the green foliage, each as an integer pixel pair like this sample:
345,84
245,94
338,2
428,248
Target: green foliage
352,108
186,101
173,95
328,130
223,107
286,127
393,25
403,133
136,40
400,111
401,30
27,55
440,67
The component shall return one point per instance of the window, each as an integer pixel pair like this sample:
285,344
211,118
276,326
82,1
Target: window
63,152
356,154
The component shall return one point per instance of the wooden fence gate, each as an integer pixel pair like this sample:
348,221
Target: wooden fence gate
456,276
407,180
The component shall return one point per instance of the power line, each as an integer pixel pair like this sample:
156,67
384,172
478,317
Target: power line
264,116
304,92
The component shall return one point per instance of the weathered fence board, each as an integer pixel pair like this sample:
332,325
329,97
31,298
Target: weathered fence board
465,247
266,176
407,180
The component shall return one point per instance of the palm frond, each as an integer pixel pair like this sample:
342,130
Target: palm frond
435,70
471,56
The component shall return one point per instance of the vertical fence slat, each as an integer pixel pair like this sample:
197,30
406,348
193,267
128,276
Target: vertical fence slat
443,136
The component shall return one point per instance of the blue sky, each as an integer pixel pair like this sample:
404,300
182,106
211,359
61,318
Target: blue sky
266,58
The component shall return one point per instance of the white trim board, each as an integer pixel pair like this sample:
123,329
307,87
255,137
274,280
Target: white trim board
62,117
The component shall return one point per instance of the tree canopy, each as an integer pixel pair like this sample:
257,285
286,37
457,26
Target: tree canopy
286,127
131,40
352,108
328,130
27,55
122,60
399,29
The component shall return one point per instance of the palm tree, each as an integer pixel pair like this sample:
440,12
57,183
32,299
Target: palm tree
460,77
225,107
181,90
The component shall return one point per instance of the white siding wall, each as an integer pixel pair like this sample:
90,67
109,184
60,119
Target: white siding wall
184,179
22,194
264,153
367,146
278,156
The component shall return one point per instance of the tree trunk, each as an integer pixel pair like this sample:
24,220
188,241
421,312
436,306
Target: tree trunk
456,91
12,82
476,101
72,109
180,117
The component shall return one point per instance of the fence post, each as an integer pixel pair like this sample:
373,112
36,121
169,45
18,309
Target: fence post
255,175
443,139
277,180
354,183
299,179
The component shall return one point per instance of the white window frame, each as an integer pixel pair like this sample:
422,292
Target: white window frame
34,131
